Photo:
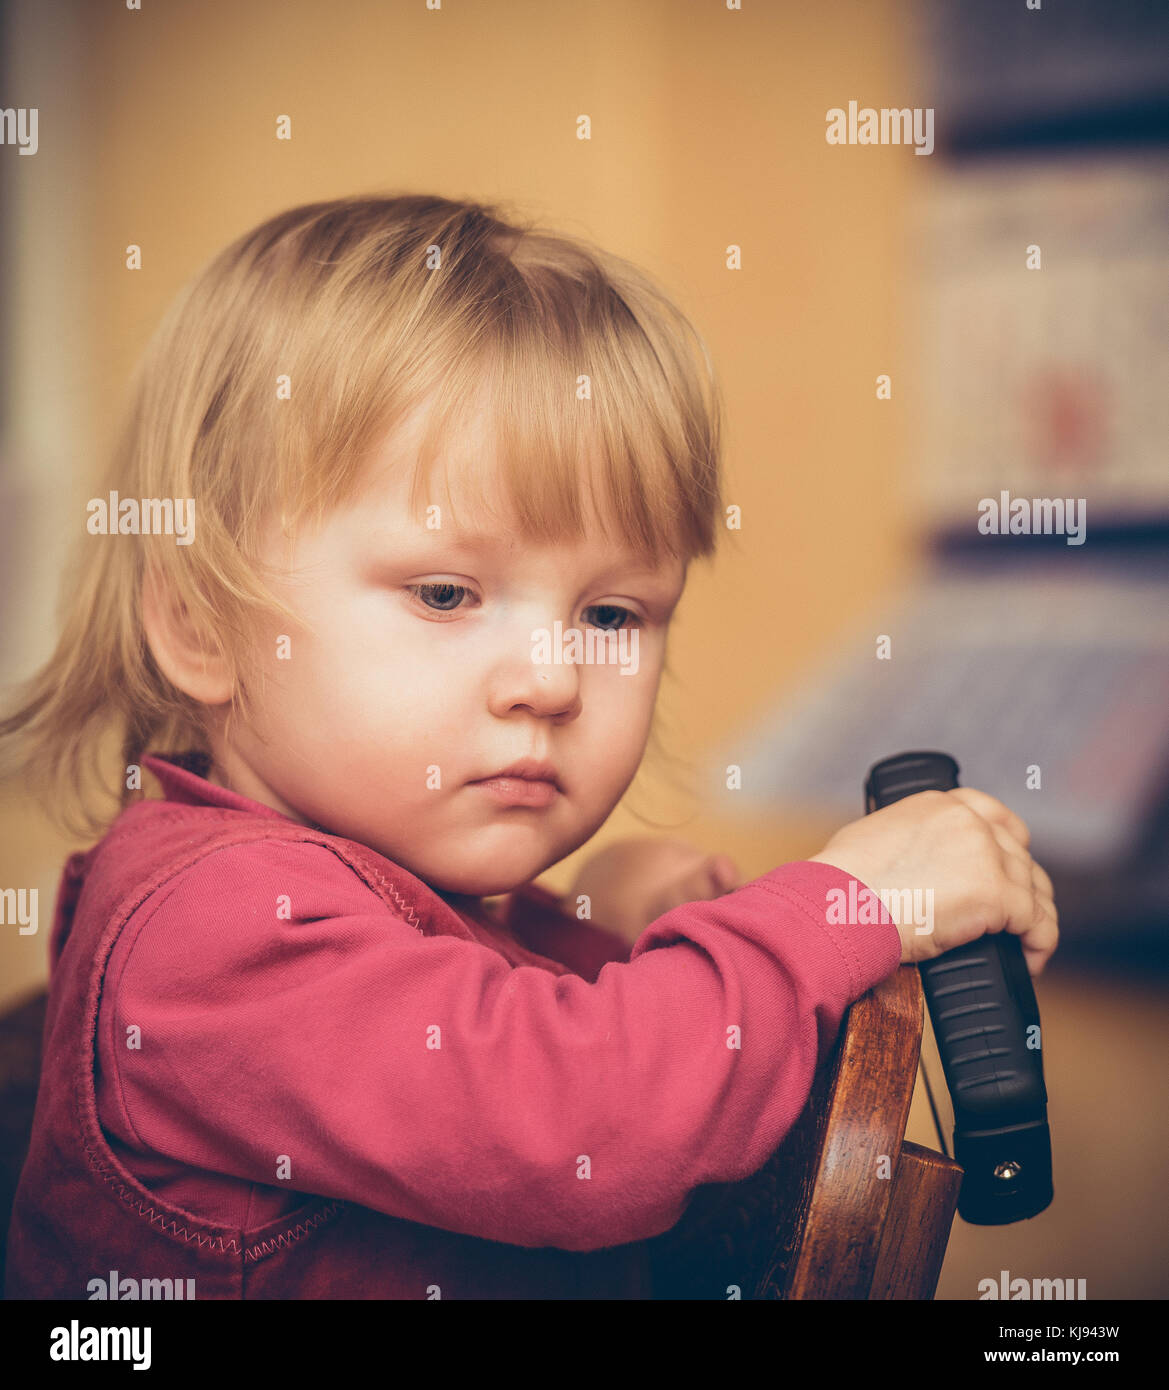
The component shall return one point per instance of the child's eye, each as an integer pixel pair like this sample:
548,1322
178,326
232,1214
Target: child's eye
607,619
441,596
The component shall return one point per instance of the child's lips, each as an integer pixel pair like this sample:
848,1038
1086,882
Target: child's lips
519,791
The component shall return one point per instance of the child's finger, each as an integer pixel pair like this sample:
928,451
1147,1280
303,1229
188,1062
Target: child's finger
992,809
724,873
1041,940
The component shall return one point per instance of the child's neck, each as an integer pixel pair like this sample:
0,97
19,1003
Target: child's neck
462,902
488,909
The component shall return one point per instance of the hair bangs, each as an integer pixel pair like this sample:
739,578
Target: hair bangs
567,419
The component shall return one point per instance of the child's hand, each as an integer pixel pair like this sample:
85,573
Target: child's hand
632,882
971,850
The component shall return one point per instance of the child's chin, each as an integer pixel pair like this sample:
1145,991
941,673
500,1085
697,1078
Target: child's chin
479,885
492,866
484,880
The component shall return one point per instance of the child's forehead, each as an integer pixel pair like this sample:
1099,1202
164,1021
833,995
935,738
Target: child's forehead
455,489
477,529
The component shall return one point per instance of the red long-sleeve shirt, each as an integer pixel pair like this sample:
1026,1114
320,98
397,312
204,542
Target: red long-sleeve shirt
269,1026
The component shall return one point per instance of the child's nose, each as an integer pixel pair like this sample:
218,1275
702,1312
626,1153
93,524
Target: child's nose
547,689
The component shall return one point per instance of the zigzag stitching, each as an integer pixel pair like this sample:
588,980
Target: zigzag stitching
302,1228
155,1217
368,872
224,1245
403,906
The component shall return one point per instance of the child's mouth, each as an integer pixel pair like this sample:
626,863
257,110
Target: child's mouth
519,791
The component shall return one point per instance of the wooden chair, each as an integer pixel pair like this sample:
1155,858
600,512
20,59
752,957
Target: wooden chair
819,1221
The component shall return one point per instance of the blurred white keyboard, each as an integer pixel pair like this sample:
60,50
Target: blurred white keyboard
1049,668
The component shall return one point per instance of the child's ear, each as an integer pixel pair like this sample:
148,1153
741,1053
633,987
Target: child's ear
204,675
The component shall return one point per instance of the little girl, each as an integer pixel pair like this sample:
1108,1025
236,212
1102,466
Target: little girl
291,1050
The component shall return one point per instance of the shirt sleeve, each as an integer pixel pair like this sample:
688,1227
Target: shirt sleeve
292,1029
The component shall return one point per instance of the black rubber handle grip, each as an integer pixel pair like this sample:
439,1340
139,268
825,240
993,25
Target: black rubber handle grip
986,1023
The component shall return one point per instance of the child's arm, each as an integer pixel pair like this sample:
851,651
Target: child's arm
427,1078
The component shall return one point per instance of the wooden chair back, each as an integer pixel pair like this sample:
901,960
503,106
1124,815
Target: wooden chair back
846,1207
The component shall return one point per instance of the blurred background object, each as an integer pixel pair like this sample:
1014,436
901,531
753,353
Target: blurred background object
1041,661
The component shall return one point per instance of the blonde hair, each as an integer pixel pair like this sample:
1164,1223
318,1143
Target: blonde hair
369,306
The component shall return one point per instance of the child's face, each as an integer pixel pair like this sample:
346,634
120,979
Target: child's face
380,719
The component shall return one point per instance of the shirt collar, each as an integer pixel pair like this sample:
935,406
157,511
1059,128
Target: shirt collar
183,778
